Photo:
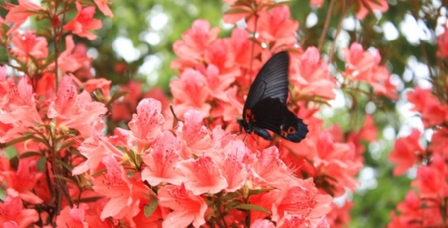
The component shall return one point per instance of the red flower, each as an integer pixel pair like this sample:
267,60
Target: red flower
104,8
380,5
14,215
203,176
20,13
187,208
191,90
406,152
195,41
161,161
276,28
84,22
29,44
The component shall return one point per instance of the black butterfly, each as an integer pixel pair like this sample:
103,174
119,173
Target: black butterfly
265,106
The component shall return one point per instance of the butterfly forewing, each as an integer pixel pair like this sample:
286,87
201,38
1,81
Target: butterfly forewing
271,81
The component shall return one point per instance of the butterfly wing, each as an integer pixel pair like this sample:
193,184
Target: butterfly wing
272,114
271,81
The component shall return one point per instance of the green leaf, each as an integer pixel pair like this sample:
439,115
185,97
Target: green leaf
116,96
253,208
259,191
16,140
30,154
151,207
3,194
232,195
10,152
41,164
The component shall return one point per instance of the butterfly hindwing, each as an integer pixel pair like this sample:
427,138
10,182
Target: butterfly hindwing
272,114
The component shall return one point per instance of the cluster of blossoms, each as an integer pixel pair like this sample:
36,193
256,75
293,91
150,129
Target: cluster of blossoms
59,169
426,204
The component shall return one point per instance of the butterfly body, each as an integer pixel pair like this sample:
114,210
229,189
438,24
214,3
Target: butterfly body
265,106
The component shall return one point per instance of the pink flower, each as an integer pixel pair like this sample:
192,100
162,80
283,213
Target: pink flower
262,223
302,200
234,168
380,5
148,122
406,152
317,3
75,111
14,215
269,171
99,83
311,75
73,217
123,190
84,22
29,44
22,182
95,148
195,41
187,208
104,8
72,58
20,13
195,136
191,90
203,175
161,160
276,26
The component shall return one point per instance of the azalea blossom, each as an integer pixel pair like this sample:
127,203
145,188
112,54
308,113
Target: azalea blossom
84,22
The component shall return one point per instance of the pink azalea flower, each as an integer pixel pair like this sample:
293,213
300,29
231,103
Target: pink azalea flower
406,152
380,5
73,217
104,7
195,136
311,75
262,223
75,111
239,44
161,160
203,175
124,191
233,168
217,84
72,59
430,179
302,200
14,215
19,106
148,122
28,44
317,3
217,54
187,207
276,26
195,41
20,13
95,148
22,182
191,90
269,170
84,22
99,83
